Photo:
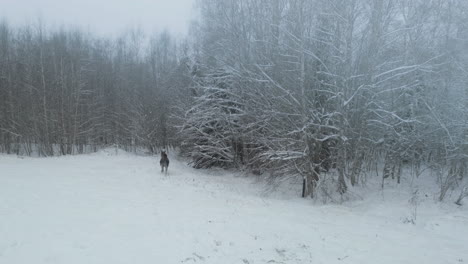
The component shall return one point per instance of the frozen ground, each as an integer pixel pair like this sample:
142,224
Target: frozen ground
118,208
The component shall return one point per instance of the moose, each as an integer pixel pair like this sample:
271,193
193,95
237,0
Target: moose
164,162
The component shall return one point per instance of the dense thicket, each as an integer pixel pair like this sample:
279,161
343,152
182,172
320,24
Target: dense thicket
325,91
302,87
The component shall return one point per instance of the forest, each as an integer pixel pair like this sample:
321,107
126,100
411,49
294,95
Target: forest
328,92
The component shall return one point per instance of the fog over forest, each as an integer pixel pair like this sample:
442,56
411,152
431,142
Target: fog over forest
328,92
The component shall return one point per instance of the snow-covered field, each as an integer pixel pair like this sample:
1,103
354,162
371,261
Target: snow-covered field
119,208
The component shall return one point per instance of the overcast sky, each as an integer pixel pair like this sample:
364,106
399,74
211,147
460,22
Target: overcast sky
103,16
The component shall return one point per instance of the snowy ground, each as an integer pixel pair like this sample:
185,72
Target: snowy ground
108,208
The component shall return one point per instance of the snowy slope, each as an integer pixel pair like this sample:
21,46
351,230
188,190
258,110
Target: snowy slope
118,208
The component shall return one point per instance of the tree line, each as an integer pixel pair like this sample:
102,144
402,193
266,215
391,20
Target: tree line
325,91
67,91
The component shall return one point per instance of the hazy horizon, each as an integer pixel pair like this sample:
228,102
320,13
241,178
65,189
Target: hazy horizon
105,17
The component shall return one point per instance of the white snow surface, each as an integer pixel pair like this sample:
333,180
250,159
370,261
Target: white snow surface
115,207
